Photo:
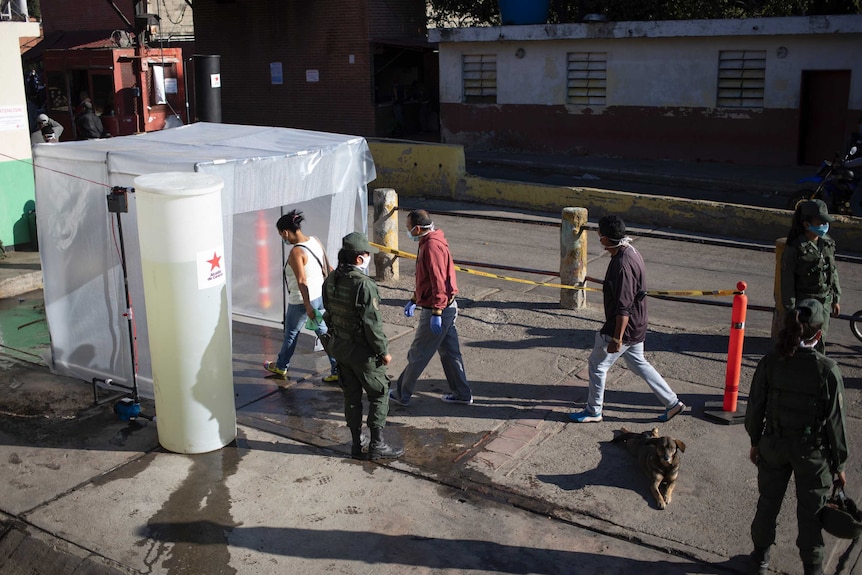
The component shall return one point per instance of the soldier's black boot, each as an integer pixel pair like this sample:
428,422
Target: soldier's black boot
759,561
379,449
812,569
360,443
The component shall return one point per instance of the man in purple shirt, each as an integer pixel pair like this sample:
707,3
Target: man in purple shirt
625,327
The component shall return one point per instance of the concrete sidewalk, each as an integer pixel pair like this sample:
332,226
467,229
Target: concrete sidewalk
20,272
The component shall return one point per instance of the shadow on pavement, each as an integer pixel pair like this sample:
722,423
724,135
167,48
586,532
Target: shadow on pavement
410,551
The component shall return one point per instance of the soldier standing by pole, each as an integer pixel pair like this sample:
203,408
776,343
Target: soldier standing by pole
795,419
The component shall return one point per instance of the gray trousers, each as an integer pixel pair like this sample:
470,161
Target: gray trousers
425,344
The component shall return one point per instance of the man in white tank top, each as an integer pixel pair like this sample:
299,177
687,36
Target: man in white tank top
306,268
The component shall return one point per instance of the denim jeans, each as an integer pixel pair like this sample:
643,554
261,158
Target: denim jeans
294,320
425,344
601,361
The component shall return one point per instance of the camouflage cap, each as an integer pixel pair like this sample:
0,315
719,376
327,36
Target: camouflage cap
357,242
815,209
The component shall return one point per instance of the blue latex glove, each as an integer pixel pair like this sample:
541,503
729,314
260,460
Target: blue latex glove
409,309
436,324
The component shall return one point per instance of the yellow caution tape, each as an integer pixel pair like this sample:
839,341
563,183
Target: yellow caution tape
715,292
399,253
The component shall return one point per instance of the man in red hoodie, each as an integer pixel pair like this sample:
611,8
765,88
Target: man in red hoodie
435,297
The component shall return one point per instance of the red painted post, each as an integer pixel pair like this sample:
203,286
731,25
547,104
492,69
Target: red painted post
734,348
262,242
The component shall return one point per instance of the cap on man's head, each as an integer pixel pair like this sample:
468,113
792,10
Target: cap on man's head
815,209
357,242
811,311
42,118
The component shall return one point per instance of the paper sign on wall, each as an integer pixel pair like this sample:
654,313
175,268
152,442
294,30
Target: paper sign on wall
13,118
211,268
312,75
276,75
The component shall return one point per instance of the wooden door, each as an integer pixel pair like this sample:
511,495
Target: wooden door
823,101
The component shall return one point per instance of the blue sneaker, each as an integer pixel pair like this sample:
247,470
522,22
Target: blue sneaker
452,398
672,411
585,417
396,400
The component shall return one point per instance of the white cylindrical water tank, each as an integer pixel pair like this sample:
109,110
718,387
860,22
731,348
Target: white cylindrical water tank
185,288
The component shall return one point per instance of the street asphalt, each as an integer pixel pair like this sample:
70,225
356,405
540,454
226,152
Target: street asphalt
506,485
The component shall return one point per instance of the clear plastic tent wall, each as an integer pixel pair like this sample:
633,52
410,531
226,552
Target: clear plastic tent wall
267,172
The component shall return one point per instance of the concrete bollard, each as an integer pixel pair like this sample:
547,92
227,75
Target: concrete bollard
778,314
573,257
385,232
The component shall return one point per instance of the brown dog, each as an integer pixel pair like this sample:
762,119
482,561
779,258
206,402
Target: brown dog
658,457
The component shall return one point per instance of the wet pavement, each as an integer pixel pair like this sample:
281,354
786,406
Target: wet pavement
507,485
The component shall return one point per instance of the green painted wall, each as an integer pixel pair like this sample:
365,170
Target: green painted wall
17,197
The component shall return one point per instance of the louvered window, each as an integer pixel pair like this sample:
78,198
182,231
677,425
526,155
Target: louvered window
480,78
741,78
587,78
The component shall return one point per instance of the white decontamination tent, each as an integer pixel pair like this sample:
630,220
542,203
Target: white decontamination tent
267,171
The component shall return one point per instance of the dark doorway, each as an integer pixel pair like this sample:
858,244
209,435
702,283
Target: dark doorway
823,101
406,88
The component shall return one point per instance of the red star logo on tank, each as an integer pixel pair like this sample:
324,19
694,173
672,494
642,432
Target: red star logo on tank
215,262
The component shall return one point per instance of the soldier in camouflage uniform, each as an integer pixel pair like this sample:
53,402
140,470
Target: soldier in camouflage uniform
795,419
358,344
808,263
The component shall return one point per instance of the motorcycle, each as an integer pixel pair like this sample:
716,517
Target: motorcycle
837,186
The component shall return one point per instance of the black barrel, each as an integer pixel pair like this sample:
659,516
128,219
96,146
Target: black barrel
208,87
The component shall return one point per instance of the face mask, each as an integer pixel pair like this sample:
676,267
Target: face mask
366,261
423,230
620,242
820,230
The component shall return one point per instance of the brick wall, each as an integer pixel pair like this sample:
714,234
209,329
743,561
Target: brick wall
251,34
60,15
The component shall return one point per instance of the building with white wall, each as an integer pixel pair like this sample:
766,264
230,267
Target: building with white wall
777,91
16,170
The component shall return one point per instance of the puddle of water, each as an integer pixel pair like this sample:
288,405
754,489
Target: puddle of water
189,534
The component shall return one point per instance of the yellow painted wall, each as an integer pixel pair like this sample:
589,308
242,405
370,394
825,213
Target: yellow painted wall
418,168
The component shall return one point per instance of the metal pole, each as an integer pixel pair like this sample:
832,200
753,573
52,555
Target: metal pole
129,313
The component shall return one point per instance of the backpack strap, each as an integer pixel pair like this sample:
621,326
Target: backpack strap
324,269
